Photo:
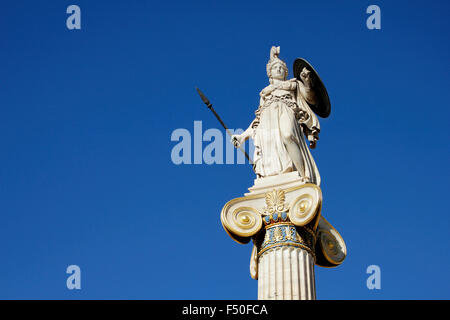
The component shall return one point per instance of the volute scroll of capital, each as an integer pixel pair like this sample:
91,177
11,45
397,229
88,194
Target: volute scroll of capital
306,205
242,217
242,221
330,246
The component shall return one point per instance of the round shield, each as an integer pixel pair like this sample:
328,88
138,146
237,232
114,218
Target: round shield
322,107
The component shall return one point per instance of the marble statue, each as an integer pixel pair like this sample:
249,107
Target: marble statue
283,122
282,212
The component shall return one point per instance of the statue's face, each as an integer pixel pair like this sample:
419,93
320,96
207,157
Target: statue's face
278,72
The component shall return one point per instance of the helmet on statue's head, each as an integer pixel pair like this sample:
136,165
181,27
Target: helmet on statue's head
274,61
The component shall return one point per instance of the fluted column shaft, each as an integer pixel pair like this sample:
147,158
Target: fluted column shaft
286,273
286,263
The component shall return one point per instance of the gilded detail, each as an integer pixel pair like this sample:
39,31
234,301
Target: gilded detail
286,234
275,202
277,234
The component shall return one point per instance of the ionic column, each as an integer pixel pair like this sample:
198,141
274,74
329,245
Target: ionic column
289,236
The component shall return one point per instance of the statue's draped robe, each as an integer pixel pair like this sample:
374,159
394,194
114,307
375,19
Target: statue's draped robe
270,156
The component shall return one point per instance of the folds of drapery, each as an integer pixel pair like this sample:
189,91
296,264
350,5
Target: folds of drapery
271,156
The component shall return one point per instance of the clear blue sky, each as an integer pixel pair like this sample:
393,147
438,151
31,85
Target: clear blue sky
86,117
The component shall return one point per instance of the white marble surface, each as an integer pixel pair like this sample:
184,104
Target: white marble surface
286,273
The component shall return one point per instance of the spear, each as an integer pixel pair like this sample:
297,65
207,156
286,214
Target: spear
210,107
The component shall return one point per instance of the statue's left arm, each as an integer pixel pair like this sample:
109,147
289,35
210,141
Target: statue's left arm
307,93
305,87
308,119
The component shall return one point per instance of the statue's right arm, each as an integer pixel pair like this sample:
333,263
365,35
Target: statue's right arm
249,132
238,139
